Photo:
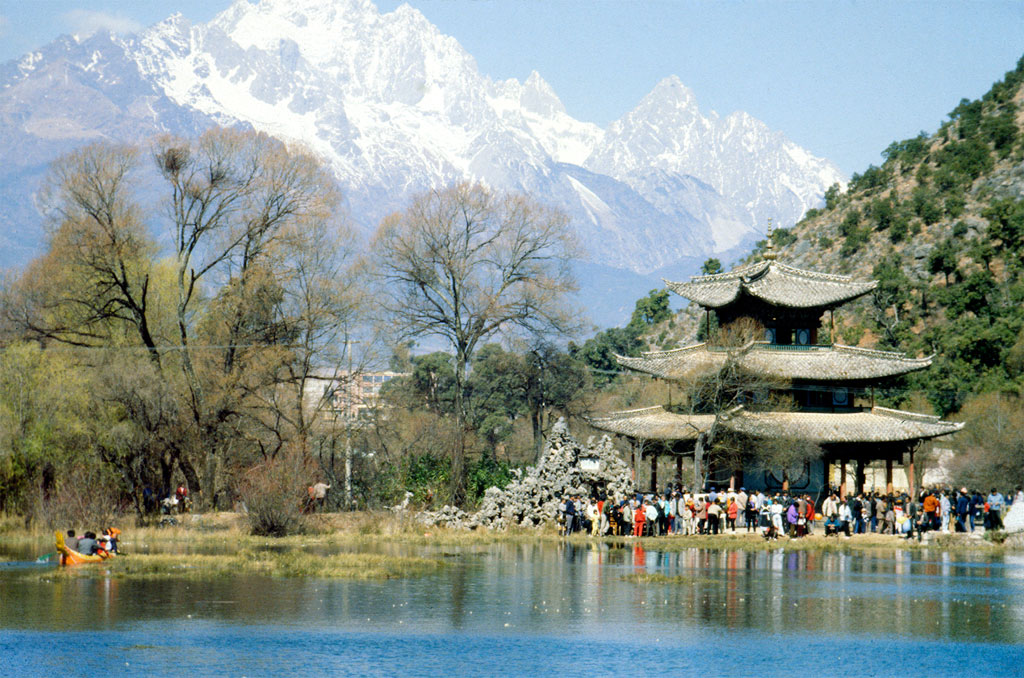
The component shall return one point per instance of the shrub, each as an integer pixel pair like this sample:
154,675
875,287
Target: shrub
967,159
782,237
275,493
832,197
899,229
86,498
955,205
873,177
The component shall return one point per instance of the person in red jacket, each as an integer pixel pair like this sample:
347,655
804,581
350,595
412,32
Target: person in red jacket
930,506
731,512
639,520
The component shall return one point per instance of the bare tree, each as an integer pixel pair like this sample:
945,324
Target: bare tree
462,264
990,449
723,389
95,279
234,200
251,295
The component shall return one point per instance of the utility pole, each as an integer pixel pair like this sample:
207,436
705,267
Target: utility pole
349,408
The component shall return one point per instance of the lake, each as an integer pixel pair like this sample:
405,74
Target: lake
528,609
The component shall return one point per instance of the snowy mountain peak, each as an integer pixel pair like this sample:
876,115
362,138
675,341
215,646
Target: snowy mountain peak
756,168
538,96
672,90
395,107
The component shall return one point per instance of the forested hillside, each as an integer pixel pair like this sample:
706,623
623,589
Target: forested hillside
941,225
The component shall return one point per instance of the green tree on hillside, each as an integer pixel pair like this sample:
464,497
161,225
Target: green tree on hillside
711,266
599,351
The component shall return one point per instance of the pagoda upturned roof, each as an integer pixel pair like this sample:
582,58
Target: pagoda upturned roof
774,283
815,363
878,425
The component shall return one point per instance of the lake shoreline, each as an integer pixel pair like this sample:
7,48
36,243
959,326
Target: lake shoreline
220,543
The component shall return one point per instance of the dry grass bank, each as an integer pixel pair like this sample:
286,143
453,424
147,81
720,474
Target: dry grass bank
292,562
227,534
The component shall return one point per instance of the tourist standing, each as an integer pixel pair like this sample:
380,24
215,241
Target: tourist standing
995,510
626,520
976,503
930,507
879,513
639,520
570,516
963,509
889,525
741,504
776,513
944,510
714,514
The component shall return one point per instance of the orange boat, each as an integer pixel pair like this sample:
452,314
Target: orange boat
71,557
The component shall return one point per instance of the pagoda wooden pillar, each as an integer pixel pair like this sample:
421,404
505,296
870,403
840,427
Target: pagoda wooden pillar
910,471
859,477
654,473
842,480
679,470
888,475
632,461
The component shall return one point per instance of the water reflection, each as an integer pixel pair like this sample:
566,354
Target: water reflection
576,589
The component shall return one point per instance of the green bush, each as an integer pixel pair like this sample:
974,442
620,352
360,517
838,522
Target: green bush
955,205
967,159
485,473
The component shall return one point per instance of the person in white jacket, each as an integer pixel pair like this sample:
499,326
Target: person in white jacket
845,517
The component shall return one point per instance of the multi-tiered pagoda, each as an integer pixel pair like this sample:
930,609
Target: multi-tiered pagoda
831,386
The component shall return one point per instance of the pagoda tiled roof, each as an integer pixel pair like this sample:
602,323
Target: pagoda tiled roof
654,423
819,363
877,425
774,283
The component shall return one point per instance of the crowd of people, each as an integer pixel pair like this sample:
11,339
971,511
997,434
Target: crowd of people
679,511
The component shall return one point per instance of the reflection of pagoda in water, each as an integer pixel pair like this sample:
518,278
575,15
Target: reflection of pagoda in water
831,385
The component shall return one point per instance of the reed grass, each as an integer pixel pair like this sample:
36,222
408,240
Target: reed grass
284,564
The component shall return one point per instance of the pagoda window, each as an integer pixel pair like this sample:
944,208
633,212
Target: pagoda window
803,337
841,397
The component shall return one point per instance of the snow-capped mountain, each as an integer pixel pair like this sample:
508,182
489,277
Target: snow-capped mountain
760,172
396,107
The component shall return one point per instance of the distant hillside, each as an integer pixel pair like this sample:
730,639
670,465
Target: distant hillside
941,225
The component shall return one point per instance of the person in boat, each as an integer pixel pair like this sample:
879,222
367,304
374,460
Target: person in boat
108,541
71,541
88,545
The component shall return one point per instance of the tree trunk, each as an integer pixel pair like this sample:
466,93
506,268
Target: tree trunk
458,485
698,458
538,433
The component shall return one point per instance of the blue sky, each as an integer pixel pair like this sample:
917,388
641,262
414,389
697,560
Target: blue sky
842,79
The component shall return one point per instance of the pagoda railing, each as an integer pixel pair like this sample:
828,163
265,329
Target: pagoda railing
777,347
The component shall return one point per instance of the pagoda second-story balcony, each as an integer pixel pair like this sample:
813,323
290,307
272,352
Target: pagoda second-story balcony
791,362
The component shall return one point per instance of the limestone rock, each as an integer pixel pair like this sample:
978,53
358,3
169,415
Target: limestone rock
532,498
1013,521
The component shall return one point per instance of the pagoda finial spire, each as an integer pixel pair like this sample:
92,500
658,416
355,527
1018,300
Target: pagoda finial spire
769,248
